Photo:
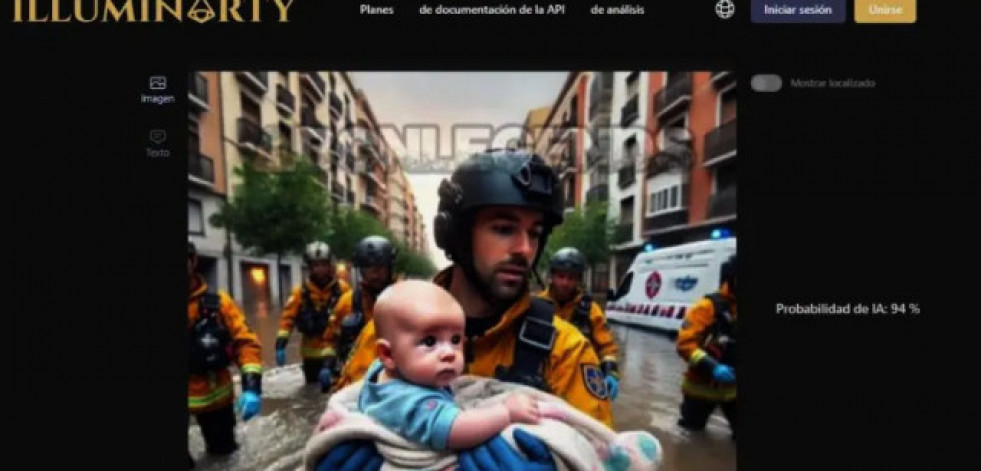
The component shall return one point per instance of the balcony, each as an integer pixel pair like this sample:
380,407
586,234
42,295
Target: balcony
285,101
312,127
336,107
630,111
597,155
674,95
256,81
337,191
720,144
253,138
322,178
722,78
623,232
722,204
666,219
201,168
601,96
197,92
372,205
676,159
598,193
627,175
315,83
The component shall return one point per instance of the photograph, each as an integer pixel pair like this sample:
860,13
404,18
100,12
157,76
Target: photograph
462,270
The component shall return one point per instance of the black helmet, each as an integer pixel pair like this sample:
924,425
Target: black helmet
568,259
493,178
728,272
374,251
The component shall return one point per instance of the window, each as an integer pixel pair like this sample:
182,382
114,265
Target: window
195,217
629,151
633,85
250,109
727,106
725,177
666,199
286,137
193,138
624,287
680,122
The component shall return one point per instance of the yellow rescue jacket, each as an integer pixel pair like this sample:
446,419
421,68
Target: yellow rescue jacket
571,370
214,390
691,338
602,338
344,308
313,347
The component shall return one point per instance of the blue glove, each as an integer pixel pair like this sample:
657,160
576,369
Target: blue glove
326,379
613,385
353,455
724,374
249,403
497,455
280,356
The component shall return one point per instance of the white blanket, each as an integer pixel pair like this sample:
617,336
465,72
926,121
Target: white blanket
577,441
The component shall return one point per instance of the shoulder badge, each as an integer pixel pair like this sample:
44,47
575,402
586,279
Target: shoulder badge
595,381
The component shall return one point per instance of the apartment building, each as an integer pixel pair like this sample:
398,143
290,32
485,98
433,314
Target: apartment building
533,126
673,157
398,219
628,140
206,175
372,160
598,155
342,106
262,123
561,141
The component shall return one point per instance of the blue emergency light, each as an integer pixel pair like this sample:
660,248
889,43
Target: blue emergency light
649,247
721,233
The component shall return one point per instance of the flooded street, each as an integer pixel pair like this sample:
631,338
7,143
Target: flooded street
649,397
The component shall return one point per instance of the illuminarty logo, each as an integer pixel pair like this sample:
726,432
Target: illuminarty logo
653,285
685,283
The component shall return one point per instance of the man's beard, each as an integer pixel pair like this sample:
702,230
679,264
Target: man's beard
562,296
321,280
506,293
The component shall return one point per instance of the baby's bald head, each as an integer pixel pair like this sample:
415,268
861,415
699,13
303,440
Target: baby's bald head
420,330
414,304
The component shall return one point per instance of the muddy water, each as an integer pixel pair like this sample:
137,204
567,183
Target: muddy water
649,398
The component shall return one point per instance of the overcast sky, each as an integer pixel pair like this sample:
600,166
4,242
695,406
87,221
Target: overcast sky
484,108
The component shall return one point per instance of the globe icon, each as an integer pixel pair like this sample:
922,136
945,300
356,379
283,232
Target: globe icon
725,9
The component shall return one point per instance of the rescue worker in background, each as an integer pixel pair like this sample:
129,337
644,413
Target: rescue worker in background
374,256
219,337
494,217
309,308
573,304
707,342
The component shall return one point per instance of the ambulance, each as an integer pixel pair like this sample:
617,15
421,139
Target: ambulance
661,284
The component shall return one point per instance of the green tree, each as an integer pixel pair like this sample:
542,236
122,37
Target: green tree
588,229
276,211
413,264
347,226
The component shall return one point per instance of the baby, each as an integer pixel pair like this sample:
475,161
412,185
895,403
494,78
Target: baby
420,329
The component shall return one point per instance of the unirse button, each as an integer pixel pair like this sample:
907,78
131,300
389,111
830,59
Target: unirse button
888,11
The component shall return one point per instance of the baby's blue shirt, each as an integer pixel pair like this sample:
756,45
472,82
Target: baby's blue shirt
418,413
